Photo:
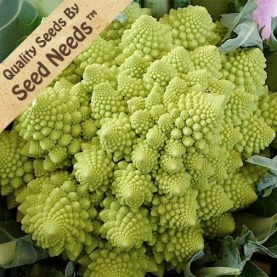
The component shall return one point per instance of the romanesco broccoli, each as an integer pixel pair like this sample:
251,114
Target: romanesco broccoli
128,168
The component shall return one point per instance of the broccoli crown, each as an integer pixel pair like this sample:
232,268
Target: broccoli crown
52,125
131,167
133,187
267,109
177,245
125,228
16,169
93,168
100,51
111,262
218,226
245,69
57,214
191,27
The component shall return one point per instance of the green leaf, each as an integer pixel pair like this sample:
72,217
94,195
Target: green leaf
19,22
271,164
69,270
271,245
271,68
245,236
273,36
262,227
239,4
252,270
21,251
233,19
250,244
265,206
53,267
236,252
248,35
45,7
236,5
217,271
187,269
228,255
158,8
269,181
16,249
180,3
251,247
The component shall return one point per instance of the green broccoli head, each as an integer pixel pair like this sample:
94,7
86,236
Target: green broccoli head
58,216
133,166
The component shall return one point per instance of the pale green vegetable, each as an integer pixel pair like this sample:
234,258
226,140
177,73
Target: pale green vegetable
151,142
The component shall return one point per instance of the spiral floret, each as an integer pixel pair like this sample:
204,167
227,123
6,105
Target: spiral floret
16,170
106,102
213,202
116,134
207,57
239,189
191,27
100,52
218,226
173,184
112,262
144,157
125,228
132,187
178,245
177,211
267,109
147,37
60,221
93,168
245,68
52,125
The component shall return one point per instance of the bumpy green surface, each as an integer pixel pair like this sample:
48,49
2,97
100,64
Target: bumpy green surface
16,169
133,187
57,214
218,226
52,125
114,263
177,245
153,141
191,27
93,168
125,228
